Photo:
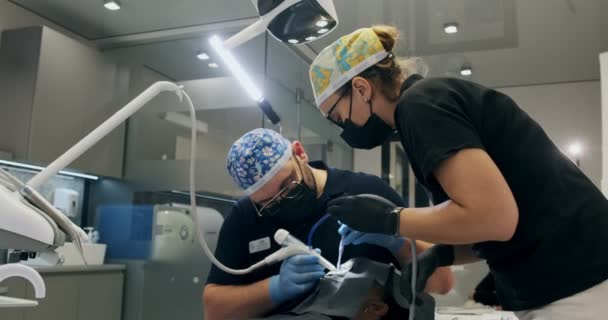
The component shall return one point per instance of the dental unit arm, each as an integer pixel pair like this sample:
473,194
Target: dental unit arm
29,222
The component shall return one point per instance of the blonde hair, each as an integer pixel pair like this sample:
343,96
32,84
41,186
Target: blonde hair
388,73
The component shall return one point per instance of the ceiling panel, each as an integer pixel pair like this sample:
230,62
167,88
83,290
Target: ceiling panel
91,20
508,42
176,59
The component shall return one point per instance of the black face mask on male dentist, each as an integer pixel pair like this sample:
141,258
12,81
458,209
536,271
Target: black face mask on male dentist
373,133
299,208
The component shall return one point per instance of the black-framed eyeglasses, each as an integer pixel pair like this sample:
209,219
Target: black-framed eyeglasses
292,190
328,115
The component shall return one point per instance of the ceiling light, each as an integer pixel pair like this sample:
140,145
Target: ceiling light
466,71
575,149
322,31
202,56
112,4
213,65
293,41
450,28
311,38
322,23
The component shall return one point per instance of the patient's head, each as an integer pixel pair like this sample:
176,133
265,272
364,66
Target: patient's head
380,305
356,291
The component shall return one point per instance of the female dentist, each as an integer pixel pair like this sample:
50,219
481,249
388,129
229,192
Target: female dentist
502,191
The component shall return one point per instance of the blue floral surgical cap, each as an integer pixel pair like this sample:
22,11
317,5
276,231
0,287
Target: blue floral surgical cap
256,157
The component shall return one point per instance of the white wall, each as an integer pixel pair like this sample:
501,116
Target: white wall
15,17
368,161
567,112
604,94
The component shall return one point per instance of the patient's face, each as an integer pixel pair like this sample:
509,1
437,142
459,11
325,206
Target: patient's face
374,307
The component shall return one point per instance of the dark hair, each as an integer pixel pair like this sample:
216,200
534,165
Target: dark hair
395,311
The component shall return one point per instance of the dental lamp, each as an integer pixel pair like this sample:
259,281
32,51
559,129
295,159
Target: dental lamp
290,21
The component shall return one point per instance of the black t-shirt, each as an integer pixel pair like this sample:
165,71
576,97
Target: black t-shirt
244,236
560,246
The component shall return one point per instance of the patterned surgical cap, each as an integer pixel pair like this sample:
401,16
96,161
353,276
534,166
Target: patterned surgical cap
256,157
343,60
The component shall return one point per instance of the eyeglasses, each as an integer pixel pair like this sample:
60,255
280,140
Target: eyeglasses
291,191
328,115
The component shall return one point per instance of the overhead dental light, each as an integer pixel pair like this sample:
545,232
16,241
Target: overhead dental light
112,5
291,21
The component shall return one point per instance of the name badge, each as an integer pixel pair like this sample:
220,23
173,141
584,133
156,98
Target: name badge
259,245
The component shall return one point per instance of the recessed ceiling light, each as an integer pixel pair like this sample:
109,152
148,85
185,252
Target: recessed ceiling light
466,71
202,56
322,23
213,65
112,4
293,41
575,149
322,31
311,38
450,28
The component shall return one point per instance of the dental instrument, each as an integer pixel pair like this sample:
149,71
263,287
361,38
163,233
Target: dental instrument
292,244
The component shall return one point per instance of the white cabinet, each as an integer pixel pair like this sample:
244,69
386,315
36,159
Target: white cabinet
71,294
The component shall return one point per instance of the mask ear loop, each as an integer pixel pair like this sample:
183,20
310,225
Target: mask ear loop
350,108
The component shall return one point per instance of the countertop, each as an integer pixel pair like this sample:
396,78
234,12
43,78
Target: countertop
79,269
456,313
9,302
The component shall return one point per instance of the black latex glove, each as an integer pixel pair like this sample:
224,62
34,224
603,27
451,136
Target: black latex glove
365,213
428,261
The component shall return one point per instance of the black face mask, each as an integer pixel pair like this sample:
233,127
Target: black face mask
299,205
373,133
299,208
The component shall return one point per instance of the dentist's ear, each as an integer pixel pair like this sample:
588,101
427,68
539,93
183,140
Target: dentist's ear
362,89
299,151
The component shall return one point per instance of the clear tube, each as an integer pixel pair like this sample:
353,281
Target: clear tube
414,272
314,228
195,217
340,252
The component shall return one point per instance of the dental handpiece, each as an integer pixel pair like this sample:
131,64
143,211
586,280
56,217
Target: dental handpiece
292,246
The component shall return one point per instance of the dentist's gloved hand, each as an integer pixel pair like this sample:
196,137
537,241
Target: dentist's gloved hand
365,213
392,243
299,274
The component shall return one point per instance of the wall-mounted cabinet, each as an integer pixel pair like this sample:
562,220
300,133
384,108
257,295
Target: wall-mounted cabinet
53,91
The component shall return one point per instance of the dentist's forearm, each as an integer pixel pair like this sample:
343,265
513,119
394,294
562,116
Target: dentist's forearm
237,302
450,223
